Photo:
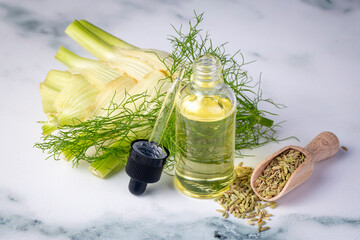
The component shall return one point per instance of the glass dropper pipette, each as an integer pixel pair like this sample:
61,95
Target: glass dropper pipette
166,109
147,157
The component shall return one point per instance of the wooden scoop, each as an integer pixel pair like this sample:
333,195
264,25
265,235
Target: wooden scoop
323,146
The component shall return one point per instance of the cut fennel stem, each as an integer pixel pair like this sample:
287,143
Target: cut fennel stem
106,37
51,88
103,168
134,62
116,57
185,47
97,73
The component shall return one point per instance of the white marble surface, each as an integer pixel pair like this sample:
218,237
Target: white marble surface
308,54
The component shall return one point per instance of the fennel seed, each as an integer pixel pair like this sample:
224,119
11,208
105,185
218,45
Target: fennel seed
250,222
241,201
261,223
263,229
275,175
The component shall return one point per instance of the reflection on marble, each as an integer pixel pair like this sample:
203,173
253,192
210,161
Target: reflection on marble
308,52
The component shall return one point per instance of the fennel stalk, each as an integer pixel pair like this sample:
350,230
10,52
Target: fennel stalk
103,137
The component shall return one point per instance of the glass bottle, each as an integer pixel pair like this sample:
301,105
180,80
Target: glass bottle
205,132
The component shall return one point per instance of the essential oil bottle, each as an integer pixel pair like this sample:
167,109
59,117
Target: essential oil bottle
205,132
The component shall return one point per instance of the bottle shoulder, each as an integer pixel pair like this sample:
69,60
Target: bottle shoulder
222,91
206,104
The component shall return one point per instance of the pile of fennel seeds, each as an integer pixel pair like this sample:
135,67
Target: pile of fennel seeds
277,173
241,201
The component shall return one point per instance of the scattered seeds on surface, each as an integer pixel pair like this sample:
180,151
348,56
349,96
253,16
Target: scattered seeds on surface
261,223
273,205
250,222
263,229
220,210
241,201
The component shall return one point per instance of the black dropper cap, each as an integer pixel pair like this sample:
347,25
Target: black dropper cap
145,164
147,158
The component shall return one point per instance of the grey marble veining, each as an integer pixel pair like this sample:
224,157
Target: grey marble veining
206,228
27,24
342,6
307,53
200,228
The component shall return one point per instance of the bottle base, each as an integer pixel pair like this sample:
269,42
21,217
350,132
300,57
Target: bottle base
202,194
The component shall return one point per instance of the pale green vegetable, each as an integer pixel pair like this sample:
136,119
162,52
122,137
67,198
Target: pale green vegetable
124,90
87,89
96,72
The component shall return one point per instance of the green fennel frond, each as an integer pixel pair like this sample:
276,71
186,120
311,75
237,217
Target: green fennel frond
105,140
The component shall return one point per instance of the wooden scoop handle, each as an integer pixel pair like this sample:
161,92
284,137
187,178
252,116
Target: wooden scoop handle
323,146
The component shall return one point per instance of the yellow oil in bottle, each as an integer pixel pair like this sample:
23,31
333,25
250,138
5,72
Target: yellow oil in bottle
205,136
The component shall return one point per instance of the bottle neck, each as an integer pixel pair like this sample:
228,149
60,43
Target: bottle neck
207,72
